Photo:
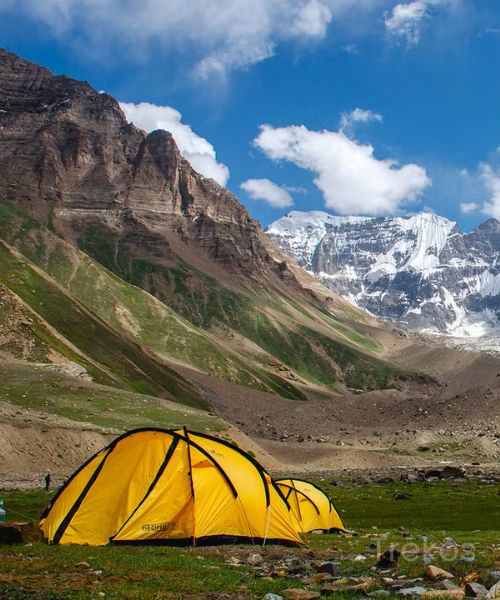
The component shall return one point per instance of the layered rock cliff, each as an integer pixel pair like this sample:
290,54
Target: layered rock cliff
68,155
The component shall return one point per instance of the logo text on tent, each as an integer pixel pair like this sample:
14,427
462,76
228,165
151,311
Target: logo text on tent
156,526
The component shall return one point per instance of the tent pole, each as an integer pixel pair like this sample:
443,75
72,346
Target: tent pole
190,473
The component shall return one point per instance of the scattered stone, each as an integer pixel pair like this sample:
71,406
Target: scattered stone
412,591
298,594
254,559
82,565
271,596
346,588
445,584
403,583
494,593
388,559
359,558
456,593
330,567
475,590
471,577
435,573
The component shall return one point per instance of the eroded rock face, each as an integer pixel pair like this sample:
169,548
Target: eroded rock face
68,155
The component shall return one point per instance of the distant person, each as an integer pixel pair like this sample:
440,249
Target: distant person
47,481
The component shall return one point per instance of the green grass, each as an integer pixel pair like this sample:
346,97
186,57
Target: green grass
36,387
124,361
466,512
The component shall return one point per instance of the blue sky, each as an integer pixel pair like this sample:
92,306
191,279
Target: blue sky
272,86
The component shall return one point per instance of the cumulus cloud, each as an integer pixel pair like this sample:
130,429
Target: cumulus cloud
468,207
407,19
351,178
215,36
197,150
266,190
491,180
358,115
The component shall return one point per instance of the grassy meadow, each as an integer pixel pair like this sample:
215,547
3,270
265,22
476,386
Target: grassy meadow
422,525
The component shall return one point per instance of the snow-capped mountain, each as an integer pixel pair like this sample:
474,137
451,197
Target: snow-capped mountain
420,271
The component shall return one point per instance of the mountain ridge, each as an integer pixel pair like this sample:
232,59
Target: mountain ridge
420,271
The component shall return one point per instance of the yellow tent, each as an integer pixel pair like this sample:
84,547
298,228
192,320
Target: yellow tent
311,506
159,486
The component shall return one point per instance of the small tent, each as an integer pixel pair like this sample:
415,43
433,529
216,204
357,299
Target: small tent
312,508
162,486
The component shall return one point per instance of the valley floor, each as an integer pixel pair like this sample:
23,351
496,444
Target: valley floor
454,525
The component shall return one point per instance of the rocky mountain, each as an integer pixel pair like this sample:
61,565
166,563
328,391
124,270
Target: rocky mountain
420,271
134,291
120,231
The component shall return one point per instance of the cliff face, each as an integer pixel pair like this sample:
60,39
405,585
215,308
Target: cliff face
68,155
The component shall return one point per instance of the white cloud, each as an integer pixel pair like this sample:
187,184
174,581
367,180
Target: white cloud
197,150
214,37
358,115
264,189
352,179
407,20
468,207
491,180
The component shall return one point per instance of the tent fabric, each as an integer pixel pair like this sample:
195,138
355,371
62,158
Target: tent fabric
163,486
312,508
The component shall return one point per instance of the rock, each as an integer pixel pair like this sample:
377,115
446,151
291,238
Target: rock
434,573
494,593
271,596
254,559
330,567
298,594
82,565
346,588
475,590
457,593
412,591
450,472
445,584
471,577
495,575
379,593
359,558
398,584
388,559
19,533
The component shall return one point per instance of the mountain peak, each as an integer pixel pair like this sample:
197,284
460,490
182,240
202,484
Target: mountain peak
490,225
